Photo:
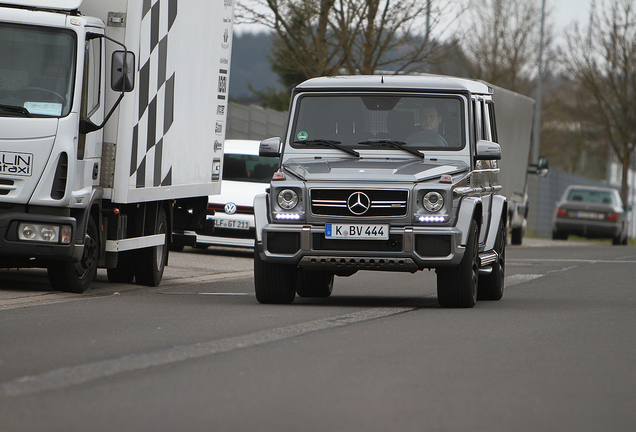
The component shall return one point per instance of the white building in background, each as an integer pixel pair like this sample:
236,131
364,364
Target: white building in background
614,177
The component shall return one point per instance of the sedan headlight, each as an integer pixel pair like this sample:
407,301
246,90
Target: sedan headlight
433,201
287,199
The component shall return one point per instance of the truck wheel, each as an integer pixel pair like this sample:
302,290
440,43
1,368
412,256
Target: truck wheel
516,236
314,284
491,287
150,262
457,286
124,272
274,283
76,277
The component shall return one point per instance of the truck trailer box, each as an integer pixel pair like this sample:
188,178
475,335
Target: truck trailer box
515,120
169,133
112,123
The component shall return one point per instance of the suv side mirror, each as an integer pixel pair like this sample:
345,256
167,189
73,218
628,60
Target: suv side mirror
487,150
270,147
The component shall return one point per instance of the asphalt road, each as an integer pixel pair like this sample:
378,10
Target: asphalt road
198,353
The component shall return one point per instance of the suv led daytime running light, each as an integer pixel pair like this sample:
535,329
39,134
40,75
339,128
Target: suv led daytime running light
287,216
437,219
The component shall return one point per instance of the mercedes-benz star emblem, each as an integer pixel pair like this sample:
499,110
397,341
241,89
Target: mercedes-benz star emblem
358,203
230,208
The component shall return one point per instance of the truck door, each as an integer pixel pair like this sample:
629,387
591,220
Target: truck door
92,107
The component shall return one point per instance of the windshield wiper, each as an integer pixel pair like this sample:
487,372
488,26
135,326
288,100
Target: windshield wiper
394,144
329,143
15,109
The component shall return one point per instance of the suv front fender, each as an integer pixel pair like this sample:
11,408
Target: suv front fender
498,211
260,215
470,208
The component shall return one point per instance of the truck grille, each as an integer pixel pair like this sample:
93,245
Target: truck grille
359,202
6,186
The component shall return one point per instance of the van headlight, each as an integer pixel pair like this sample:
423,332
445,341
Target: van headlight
433,201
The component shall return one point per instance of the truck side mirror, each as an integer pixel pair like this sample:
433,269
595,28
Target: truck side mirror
122,72
270,147
541,168
487,150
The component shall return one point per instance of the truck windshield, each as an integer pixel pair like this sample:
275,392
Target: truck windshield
36,71
422,122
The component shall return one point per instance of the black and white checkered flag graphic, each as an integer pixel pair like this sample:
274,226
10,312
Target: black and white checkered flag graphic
156,95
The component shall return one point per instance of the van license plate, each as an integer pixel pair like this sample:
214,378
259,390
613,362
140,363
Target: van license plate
357,231
234,224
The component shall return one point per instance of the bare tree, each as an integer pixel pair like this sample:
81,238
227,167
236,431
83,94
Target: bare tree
502,43
326,37
602,60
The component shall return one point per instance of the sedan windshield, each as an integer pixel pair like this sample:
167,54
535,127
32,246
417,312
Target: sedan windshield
422,122
36,71
591,196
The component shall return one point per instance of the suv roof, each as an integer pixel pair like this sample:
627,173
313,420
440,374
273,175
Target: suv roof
402,82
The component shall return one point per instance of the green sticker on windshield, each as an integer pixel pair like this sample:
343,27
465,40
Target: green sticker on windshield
302,136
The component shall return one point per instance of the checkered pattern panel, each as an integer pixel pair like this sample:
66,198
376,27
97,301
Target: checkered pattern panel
156,95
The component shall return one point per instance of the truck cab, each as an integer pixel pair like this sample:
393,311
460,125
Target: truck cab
100,159
384,173
50,80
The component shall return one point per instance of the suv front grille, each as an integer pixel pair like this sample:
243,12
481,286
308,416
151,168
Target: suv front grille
359,202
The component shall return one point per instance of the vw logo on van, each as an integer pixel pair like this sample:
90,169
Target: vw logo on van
358,203
230,208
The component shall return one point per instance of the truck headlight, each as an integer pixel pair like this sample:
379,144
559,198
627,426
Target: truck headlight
287,199
433,201
45,233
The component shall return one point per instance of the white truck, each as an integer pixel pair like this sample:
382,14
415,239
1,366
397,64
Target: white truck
112,124
515,119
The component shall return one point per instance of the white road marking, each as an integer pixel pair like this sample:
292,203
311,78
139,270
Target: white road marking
75,375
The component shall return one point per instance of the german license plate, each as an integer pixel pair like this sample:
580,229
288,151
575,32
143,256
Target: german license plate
234,224
589,215
357,231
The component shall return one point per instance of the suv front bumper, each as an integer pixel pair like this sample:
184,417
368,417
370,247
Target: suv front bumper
408,248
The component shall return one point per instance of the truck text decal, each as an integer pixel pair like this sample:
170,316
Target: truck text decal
16,163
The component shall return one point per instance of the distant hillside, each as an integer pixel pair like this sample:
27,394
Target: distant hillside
250,65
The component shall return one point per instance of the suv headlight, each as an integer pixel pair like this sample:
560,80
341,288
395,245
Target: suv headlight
433,201
287,199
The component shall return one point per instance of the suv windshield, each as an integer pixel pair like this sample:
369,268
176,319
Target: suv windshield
420,122
36,71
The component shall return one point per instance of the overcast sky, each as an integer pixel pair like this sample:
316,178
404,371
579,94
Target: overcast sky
565,12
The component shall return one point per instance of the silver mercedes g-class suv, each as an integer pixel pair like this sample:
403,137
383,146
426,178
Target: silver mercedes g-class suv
388,173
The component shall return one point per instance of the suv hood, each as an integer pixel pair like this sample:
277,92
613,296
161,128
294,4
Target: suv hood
397,170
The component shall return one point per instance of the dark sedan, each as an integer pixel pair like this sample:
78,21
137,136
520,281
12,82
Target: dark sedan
591,212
